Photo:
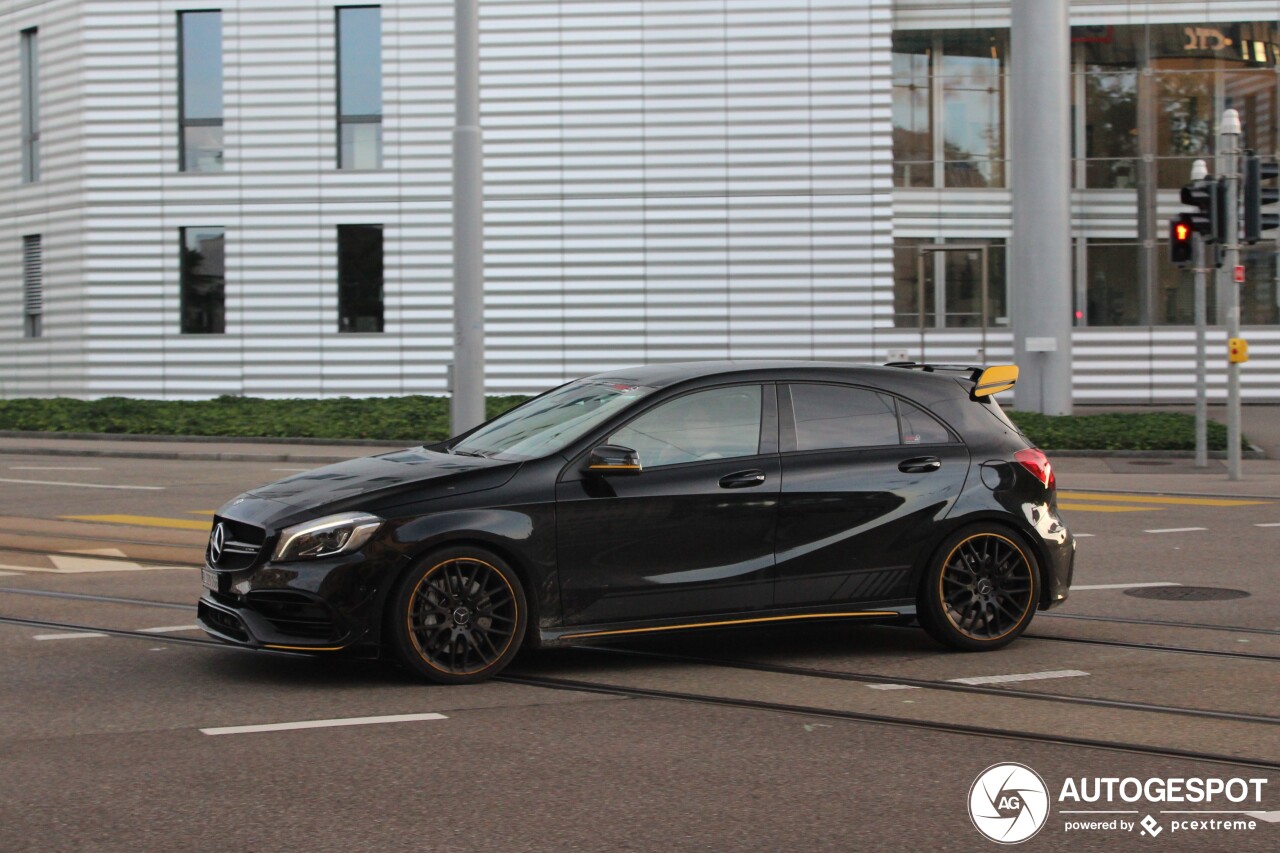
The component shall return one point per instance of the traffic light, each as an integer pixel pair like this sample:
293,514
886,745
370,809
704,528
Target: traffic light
1256,195
1181,230
1209,220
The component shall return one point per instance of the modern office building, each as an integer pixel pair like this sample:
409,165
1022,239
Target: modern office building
253,196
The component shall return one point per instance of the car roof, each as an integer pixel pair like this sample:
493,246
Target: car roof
665,375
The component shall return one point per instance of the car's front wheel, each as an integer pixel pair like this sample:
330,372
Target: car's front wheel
981,589
458,617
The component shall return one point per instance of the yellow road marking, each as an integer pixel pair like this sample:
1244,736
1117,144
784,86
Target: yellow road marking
142,521
1105,508
1155,499
202,512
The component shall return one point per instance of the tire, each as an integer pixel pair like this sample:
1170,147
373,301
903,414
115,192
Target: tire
981,589
458,617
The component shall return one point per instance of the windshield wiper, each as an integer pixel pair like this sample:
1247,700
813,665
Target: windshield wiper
475,453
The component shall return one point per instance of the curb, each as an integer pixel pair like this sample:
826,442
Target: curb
201,439
1254,452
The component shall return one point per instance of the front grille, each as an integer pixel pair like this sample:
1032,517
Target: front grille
223,623
241,544
293,613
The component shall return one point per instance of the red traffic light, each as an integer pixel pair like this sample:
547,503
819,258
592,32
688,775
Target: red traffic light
1181,231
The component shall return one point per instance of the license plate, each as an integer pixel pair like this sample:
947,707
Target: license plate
209,579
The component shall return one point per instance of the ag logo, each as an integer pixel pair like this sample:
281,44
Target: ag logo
1008,803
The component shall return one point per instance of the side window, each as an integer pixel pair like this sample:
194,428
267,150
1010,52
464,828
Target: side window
831,416
920,428
716,424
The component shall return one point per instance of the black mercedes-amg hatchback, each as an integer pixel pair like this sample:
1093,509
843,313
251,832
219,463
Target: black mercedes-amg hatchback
659,498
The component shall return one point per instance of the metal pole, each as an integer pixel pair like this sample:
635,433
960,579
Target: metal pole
467,384
1229,145
1198,173
1202,403
1040,287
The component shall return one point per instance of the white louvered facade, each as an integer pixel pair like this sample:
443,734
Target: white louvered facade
665,180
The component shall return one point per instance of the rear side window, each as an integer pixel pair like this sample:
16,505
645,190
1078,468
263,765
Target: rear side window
919,427
834,416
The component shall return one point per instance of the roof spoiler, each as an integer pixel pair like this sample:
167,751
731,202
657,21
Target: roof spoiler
986,380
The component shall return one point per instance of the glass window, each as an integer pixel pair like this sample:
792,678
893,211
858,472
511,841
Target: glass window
548,423
32,287
360,87
919,427
832,416
1111,129
912,110
360,278
1113,288
29,84
200,87
1259,295
971,72
204,280
720,423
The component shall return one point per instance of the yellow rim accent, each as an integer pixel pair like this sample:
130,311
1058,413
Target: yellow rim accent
408,620
730,622
304,648
993,380
1031,600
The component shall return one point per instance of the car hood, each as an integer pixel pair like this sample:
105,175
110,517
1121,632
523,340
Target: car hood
385,478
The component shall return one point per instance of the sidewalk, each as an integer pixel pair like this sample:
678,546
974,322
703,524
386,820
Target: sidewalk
1075,473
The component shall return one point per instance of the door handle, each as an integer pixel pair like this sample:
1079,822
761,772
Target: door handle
742,479
920,465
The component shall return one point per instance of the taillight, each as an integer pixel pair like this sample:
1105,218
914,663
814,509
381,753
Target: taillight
1034,460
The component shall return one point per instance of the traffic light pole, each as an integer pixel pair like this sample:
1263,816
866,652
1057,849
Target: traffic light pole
1229,161
1202,390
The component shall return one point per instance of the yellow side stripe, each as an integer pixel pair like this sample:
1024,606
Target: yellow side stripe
142,521
1156,499
1105,508
730,622
304,648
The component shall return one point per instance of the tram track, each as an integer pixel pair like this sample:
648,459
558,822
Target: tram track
552,682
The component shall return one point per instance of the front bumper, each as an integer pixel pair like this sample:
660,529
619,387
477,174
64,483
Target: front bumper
321,606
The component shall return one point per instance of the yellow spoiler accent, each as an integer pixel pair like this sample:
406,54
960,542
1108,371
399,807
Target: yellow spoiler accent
993,380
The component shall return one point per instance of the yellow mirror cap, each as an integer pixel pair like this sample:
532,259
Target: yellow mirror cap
996,379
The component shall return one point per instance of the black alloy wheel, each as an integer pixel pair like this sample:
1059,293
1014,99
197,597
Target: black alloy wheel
981,590
459,617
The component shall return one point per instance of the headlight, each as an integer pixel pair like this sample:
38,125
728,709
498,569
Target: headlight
324,537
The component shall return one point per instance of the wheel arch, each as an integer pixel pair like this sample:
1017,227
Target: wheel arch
1003,520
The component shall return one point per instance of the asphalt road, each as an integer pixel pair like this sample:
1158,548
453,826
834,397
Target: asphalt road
812,737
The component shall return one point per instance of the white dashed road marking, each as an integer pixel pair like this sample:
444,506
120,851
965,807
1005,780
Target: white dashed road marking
1175,529
1269,524
78,635
1083,535
1123,585
49,468
321,724
169,629
82,485
1024,676
992,679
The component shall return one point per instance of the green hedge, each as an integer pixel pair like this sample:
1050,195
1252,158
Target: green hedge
426,419
412,418
1127,431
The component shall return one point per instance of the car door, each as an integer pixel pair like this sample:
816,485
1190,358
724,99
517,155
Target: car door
865,476
692,534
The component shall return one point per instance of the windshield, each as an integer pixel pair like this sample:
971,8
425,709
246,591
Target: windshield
547,424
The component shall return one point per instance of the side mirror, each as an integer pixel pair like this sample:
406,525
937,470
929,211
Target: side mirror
609,459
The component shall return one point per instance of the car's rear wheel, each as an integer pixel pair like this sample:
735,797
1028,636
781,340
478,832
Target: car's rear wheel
981,589
458,617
